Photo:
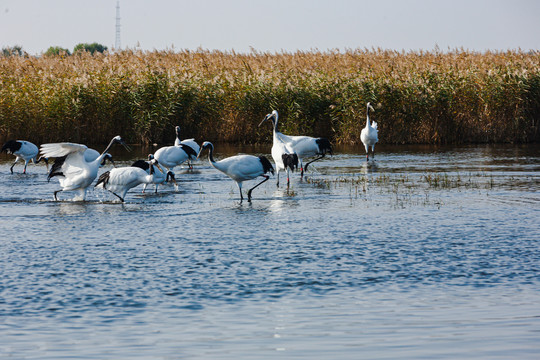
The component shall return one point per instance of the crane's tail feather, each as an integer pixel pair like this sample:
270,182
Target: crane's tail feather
324,146
374,125
189,151
290,161
104,179
56,169
141,164
267,166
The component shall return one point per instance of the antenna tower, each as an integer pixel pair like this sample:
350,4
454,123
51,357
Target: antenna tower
117,44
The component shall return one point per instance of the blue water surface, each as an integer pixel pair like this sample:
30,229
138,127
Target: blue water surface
357,260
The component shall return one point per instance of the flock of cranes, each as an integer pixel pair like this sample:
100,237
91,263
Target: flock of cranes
77,166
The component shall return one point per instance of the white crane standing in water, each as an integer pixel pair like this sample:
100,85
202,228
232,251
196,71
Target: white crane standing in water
369,134
171,156
240,167
24,150
283,154
284,158
74,171
186,142
303,146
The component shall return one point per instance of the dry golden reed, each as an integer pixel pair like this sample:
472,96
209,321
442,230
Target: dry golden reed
419,97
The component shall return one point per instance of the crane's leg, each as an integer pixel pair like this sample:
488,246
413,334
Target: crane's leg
118,196
55,197
266,177
11,168
319,158
367,152
277,176
240,189
288,182
373,151
144,188
25,165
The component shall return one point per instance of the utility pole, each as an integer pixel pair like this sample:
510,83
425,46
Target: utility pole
117,44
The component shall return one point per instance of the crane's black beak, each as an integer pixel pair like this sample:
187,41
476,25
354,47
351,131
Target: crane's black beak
126,146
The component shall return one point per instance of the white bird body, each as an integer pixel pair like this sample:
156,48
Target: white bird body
303,146
75,173
191,143
240,167
120,180
369,134
160,176
284,157
24,150
171,156
188,142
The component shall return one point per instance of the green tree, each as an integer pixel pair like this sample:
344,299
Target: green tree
16,50
56,50
91,48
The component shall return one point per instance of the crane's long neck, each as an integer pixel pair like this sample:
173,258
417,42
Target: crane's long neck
99,159
211,155
177,134
275,123
368,123
275,129
216,165
151,174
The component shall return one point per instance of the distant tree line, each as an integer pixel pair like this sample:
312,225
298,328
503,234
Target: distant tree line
92,48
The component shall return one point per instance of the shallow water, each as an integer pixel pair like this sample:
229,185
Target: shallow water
425,253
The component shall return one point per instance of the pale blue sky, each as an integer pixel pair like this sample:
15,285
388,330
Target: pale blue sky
273,25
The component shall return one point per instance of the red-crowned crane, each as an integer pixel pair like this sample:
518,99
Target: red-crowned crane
160,176
24,150
187,142
74,172
240,167
119,180
369,134
171,156
303,146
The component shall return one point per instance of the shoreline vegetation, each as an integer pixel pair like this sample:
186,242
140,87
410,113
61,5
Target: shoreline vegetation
434,97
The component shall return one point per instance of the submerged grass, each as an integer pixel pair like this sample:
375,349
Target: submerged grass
402,190
431,181
420,97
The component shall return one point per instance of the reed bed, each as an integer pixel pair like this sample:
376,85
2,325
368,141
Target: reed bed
420,97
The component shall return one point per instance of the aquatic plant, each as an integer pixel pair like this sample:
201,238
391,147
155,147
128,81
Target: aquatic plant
419,97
